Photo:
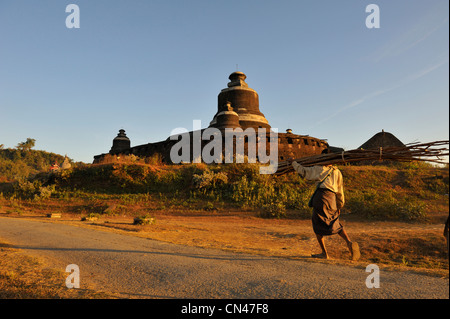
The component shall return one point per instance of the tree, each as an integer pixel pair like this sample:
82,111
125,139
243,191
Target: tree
27,145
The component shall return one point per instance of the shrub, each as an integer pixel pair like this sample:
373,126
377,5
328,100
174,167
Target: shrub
44,192
155,159
25,189
209,206
438,185
91,217
209,179
384,205
273,210
144,220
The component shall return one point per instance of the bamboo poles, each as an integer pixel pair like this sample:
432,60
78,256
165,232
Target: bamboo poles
430,152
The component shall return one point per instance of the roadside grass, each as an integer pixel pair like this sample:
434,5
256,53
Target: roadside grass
26,277
421,251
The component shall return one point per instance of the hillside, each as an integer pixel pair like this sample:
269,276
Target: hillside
414,191
17,164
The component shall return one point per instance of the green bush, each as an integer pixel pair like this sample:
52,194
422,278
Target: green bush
144,220
209,179
438,185
386,205
25,189
275,209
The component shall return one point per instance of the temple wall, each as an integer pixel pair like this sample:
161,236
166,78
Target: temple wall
289,146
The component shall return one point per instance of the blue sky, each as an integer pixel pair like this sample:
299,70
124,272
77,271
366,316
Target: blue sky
152,66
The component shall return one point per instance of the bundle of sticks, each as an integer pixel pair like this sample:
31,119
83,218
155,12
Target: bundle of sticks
430,152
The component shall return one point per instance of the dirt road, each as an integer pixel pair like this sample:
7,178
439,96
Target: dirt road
142,268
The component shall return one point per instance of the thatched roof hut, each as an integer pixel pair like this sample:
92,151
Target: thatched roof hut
382,139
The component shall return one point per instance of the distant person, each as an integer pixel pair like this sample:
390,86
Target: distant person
327,201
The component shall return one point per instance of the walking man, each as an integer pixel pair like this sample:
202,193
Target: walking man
327,201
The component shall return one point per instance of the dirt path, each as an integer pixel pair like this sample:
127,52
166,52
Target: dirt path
135,267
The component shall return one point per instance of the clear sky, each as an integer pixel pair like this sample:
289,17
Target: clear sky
155,65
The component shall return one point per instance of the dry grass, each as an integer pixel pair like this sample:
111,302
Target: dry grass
25,277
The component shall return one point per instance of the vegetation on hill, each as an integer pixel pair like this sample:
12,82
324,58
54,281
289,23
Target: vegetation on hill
397,191
22,162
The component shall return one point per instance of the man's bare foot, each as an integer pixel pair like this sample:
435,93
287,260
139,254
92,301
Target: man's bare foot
322,256
354,250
